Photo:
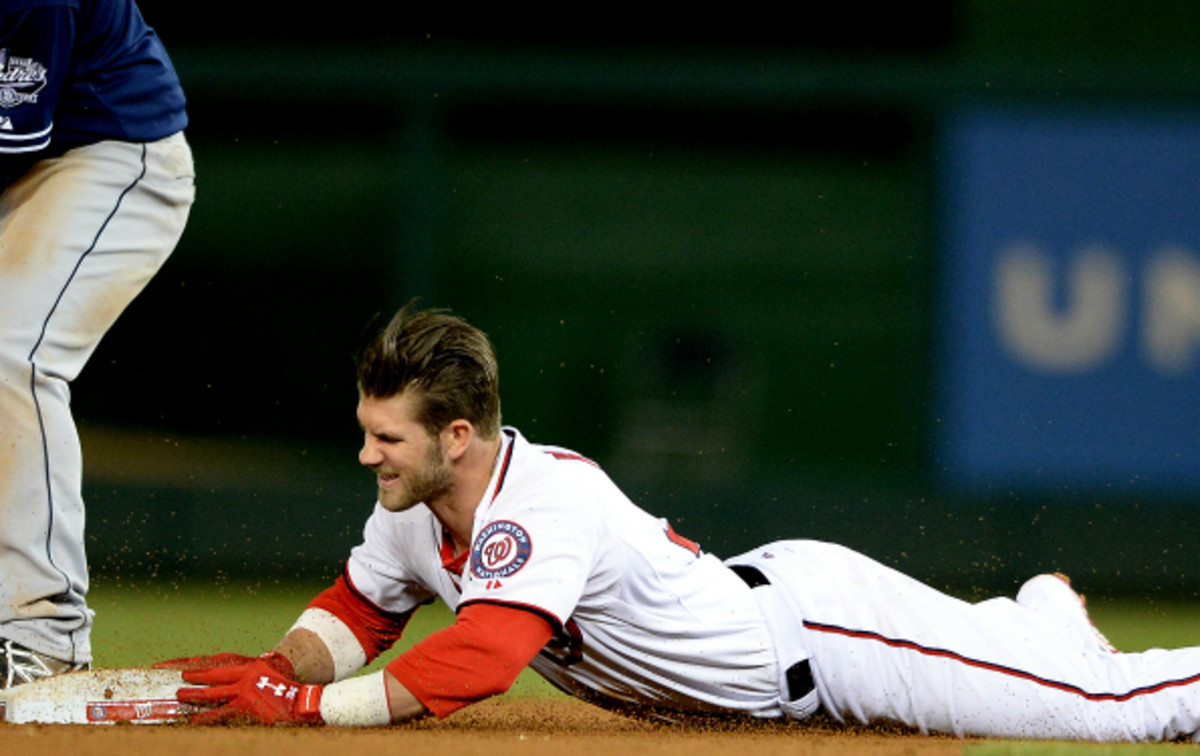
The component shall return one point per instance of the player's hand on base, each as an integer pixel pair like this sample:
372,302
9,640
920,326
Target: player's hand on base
274,659
254,692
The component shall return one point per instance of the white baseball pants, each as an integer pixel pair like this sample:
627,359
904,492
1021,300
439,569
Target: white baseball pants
886,648
80,237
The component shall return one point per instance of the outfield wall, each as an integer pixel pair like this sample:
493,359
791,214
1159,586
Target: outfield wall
757,286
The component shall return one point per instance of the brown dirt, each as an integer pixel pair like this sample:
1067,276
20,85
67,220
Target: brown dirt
500,727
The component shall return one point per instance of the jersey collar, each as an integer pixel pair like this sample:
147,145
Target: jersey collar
452,564
508,442
455,564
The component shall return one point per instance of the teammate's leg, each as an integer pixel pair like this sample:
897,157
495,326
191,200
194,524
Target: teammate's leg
79,238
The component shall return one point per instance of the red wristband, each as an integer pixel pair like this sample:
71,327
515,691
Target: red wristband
308,703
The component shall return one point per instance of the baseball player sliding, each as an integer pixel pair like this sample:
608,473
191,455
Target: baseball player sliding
97,183
547,564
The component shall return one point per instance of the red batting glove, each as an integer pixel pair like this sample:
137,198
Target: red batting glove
255,691
274,659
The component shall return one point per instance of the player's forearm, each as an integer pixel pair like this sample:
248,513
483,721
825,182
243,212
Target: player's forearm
353,702
311,659
370,700
322,648
401,702
479,656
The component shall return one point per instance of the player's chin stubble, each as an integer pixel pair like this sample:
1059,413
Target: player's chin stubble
431,480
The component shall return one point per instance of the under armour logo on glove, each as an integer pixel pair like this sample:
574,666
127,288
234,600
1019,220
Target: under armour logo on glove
255,691
283,690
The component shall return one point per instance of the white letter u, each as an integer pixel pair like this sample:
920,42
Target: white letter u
1069,339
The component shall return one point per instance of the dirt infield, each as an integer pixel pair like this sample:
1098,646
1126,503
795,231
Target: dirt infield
500,727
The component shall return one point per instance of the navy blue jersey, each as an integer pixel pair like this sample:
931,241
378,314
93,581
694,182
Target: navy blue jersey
75,72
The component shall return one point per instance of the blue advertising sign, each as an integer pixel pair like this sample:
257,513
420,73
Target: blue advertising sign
1069,302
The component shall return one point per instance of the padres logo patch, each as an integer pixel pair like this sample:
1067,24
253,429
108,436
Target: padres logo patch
20,80
500,549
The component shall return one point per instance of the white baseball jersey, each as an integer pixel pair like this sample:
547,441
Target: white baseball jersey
645,618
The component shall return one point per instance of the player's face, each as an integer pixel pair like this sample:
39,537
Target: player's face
409,464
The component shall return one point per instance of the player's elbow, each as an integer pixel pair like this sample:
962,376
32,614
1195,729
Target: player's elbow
501,680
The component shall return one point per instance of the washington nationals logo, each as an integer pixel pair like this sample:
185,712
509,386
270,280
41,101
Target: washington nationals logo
500,549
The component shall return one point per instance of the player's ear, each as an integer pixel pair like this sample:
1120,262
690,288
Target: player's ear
456,437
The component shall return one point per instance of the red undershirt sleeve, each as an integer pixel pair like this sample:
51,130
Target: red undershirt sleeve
376,629
480,655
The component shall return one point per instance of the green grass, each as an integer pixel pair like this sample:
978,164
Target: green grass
1136,626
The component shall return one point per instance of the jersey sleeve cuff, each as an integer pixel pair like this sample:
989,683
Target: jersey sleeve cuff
16,144
347,652
551,619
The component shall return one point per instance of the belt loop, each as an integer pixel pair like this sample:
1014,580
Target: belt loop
752,576
799,680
